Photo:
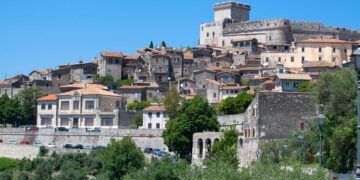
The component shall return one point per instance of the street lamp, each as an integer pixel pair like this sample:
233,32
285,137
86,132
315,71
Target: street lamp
356,53
285,154
320,120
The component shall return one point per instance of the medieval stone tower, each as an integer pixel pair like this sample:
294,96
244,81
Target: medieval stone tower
231,10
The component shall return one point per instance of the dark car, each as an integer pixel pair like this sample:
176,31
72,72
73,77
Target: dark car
68,146
148,150
78,146
63,129
99,147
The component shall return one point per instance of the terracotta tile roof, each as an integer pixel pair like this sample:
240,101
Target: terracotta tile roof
215,68
356,42
42,72
90,91
132,56
294,70
259,78
251,92
269,81
4,82
83,86
294,76
323,41
155,108
50,97
188,56
316,64
112,54
234,87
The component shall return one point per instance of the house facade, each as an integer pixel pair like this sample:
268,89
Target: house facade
154,117
290,82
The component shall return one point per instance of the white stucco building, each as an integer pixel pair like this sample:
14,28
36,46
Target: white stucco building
154,117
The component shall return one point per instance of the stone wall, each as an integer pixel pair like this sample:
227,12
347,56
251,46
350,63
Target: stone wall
143,138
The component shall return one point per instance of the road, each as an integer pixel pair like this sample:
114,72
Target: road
18,151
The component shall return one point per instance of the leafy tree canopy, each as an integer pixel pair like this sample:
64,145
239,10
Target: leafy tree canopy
139,105
235,105
172,102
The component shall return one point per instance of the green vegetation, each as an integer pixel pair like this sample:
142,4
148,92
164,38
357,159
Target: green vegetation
43,151
304,87
8,163
163,44
172,102
151,45
138,120
122,157
124,82
195,115
109,81
20,110
139,105
225,150
235,105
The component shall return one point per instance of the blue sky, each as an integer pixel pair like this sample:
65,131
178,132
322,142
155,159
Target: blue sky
42,34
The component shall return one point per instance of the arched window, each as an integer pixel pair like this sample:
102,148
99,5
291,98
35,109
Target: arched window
208,145
241,141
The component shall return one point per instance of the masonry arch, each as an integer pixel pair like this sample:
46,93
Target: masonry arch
241,141
208,145
200,147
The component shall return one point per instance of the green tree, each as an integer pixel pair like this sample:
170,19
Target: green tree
9,110
336,91
163,44
235,105
139,105
304,87
122,157
225,149
27,104
138,120
151,45
124,82
195,115
43,169
43,151
172,102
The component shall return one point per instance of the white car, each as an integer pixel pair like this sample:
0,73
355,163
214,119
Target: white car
37,144
11,142
51,145
89,147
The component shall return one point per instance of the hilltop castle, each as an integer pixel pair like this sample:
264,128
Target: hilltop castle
232,22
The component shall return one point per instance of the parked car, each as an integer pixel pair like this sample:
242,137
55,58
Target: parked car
95,129
11,141
159,152
78,146
24,142
32,128
68,146
51,145
63,129
148,150
88,147
37,144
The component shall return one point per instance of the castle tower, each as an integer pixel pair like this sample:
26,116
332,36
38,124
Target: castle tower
231,10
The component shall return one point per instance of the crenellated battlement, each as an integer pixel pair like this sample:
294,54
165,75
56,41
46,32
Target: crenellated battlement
225,5
246,26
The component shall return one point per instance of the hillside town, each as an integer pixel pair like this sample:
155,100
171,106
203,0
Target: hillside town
272,62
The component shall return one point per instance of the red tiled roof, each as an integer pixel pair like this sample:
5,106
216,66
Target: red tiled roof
188,56
155,108
137,87
50,97
132,56
83,85
112,54
323,41
215,68
294,76
251,92
249,68
318,64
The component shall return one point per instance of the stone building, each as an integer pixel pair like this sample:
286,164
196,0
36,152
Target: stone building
110,63
271,115
231,22
290,82
131,64
73,73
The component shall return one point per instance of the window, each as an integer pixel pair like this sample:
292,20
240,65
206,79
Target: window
150,114
320,58
64,105
269,38
45,121
89,121
76,105
185,70
59,76
253,133
89,105
185,84
274,47
319,50
333,59
117,61
43,107
302,59
157,114
49,106
279,59
157,125
214,95
202,28
149,125
117,104
334,50
292,59
207,34
213,34
204,86
106,121
302,49
267,59
345,50
226,77
218,64
302,126
223,43
64,122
